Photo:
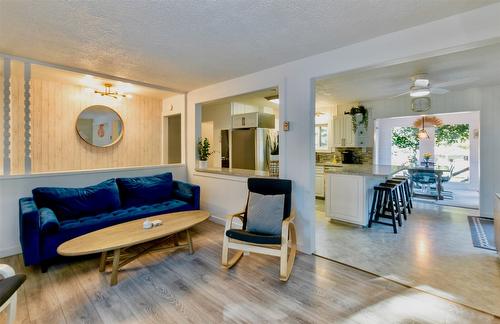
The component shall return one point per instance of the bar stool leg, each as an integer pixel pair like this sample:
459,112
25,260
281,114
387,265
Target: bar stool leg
408,196
401,192
395,206
374,204
394,228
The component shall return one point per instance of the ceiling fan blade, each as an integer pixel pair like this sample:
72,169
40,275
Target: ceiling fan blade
439,90
455,82
401,94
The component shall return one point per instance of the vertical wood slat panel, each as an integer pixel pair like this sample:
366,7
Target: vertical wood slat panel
17,126
27,118
4,107
56,145
5,115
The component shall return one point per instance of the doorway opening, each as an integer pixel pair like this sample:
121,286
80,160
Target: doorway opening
439,134
172,139
447,143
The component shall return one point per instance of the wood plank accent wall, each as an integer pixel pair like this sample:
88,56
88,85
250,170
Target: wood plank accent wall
17,150
55,143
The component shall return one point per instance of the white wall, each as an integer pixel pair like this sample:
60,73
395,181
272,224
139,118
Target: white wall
385,126
295,80
14,187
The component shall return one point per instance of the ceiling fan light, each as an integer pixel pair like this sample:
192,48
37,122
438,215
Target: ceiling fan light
421,82
419,92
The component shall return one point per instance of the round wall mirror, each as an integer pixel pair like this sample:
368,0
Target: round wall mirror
99,126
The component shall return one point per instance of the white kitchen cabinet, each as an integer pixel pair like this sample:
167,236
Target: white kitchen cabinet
245,120
348,197
344,135
320,182
238,108
251,120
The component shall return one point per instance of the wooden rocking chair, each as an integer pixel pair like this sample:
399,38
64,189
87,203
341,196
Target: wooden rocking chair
283,245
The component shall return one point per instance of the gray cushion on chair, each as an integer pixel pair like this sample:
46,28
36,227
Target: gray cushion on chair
265,213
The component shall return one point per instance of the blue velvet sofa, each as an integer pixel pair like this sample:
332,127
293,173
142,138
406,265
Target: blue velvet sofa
55,215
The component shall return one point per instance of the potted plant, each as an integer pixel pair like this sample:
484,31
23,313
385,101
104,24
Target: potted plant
427,157
203,153
359,117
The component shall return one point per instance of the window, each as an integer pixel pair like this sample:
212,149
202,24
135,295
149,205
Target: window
321,136
405,146
452,149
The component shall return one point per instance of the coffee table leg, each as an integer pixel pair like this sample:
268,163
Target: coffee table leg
176,240
190,242
116,262
102,263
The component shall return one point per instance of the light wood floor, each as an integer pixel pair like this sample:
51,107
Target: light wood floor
432,251
183,288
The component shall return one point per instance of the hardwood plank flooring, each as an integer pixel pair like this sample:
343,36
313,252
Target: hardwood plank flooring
177,287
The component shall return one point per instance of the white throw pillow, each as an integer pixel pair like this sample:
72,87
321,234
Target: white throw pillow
265,213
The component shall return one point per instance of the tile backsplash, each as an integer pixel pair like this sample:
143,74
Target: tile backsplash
365,155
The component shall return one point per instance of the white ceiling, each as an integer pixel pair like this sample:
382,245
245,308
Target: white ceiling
462,70
257,98
91,82
186,44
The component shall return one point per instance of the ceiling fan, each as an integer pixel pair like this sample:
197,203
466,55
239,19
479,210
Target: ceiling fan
421,87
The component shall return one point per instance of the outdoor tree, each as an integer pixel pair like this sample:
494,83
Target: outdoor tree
452,134
406,138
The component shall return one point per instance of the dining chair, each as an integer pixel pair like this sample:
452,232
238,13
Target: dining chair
267,225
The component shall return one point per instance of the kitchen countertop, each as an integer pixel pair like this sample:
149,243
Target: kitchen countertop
327,163
377,170
237,172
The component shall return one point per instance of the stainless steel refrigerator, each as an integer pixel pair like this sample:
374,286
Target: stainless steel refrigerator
250,148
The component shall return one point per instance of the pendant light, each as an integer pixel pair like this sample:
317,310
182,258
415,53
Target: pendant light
422,133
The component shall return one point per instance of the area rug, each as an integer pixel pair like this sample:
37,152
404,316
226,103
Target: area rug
482,232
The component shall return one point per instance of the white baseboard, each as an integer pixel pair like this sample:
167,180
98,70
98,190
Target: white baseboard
218,219
13,250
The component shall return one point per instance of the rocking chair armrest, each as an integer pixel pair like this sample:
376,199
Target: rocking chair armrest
290,218
229,219
285,224
6,271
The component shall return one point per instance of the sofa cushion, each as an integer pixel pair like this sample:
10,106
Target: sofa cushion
73,203
145,190
76,227
48,221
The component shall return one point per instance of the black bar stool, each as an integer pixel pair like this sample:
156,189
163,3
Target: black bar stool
401,191
385,204
409,199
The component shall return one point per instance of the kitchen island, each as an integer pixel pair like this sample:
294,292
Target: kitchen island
237,172
349,190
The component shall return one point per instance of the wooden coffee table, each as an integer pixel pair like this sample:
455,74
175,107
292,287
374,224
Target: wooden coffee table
119,238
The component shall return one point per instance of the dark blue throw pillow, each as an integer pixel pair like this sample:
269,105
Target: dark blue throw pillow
73,203
145,190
